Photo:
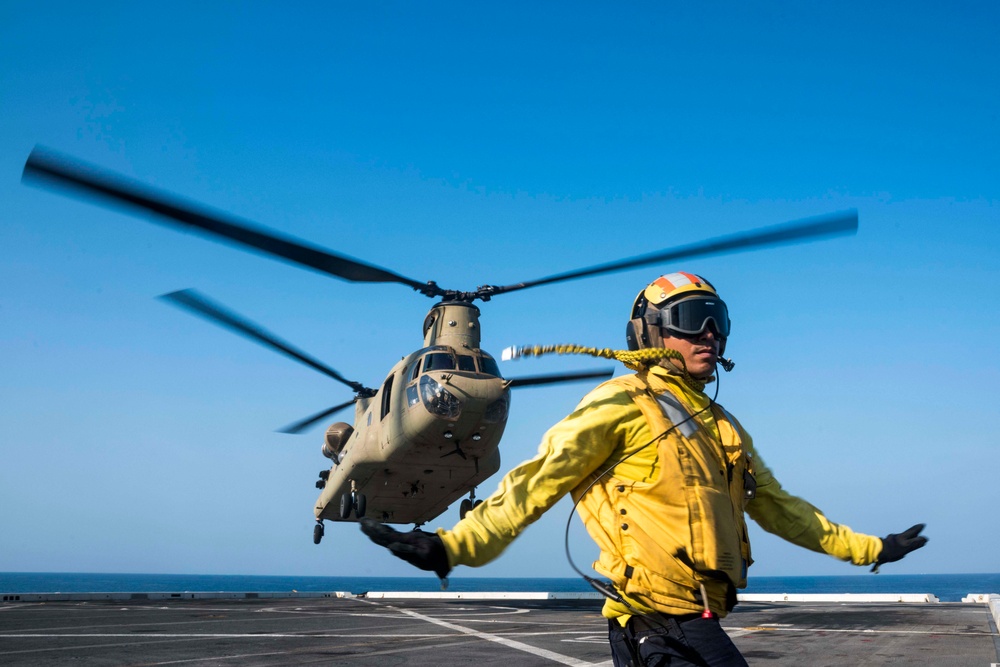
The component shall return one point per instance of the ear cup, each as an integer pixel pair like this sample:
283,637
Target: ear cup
636,335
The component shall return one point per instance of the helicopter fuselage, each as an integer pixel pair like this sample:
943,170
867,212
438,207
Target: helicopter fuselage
431,432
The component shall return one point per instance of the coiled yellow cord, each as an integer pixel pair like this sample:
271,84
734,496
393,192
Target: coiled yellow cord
634,359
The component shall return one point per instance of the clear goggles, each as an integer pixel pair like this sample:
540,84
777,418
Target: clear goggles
690,316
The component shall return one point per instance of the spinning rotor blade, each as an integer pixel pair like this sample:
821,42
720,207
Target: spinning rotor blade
799,230
202,306
47,167
304,424
536,380
50,168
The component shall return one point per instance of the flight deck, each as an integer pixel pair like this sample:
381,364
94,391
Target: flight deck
502,629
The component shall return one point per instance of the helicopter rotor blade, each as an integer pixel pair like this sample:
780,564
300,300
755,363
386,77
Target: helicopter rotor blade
800,230
304,424
46,167
200,305
536,380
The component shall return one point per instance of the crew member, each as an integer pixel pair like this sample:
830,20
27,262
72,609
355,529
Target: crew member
663,477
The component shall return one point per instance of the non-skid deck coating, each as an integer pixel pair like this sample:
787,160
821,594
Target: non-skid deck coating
508,633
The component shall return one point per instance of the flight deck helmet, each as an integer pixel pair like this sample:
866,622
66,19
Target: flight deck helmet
683,303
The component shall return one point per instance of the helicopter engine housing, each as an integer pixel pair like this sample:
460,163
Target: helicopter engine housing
336,437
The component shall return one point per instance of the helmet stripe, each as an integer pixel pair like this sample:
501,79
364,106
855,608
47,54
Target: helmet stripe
692,279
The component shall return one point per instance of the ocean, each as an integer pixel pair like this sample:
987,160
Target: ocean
947,587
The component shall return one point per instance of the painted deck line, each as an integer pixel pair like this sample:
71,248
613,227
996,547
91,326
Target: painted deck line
747,597
504,641
445,595
186,595
837,597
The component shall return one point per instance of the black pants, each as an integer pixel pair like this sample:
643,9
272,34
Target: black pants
687,641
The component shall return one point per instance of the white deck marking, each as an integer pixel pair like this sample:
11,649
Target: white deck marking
207,635
857,631
588,639
510,643
223,657
406,649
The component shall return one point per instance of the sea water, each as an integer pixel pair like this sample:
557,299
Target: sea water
947,587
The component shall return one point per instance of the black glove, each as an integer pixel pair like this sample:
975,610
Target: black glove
897,545
425,550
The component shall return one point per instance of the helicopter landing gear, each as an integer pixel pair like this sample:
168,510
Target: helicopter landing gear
323,476
353,502
318,532
468,504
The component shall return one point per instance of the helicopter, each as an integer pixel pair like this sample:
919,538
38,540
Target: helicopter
430,432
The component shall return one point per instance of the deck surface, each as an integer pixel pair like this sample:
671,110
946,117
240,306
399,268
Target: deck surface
384,632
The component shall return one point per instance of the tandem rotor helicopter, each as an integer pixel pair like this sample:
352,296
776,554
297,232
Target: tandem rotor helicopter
430,432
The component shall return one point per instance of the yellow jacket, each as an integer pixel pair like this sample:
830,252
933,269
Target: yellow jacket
667,518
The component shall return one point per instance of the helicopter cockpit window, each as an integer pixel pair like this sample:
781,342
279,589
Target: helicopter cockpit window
489,366
466,363
415,370
439,361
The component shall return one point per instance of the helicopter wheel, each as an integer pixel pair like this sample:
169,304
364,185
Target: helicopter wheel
477,504
360,502
346,505
464,508
317,532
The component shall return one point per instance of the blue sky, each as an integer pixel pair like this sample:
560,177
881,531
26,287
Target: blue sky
471,144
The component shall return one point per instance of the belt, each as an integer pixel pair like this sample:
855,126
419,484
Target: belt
660,621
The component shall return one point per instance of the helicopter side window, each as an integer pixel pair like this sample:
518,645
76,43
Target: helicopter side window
386,396
439,361
466,363
489,366
415,370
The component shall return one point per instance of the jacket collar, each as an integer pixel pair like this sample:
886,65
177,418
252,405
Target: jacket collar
683,386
